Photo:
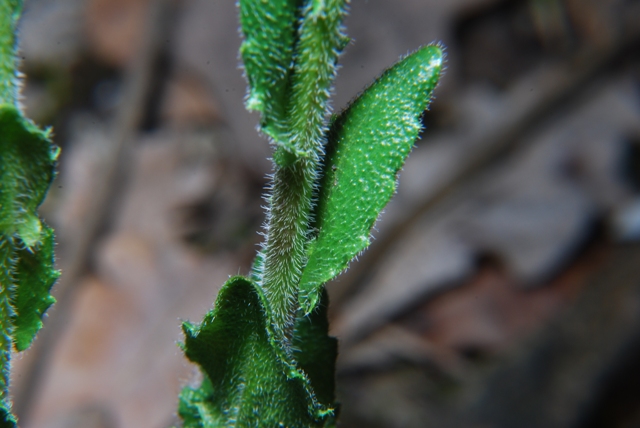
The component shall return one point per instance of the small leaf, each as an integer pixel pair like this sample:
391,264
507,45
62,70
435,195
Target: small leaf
315,351
269,29
367,145
250,381
35,275
321,40
195,404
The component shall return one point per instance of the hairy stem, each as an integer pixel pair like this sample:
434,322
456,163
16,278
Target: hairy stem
320,42
284,258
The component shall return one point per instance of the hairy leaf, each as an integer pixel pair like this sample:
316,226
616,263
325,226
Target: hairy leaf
26,244
321,40
195,407
367,145
269,29
250,380
26,171
9,13
297,161
7,290
27,162
315,351
35,275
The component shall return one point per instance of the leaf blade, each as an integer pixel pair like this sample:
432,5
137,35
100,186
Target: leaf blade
26,244
252,381
321,39
315,351
26,172
269,30
35,276
368,144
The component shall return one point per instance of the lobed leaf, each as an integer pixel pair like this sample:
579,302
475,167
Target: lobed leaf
26,244
35,275
249,380
367,145
26,171
269,29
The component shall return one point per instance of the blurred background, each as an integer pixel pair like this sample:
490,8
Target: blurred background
502,288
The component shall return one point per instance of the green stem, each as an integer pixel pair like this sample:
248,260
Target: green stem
284,259
284,255
9,12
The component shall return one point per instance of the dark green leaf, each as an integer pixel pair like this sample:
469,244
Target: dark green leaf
250,381
26,171
7,290
315,351
26,244
7,420
35,275
195,404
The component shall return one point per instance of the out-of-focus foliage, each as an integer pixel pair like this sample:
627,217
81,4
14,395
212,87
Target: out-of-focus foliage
27,161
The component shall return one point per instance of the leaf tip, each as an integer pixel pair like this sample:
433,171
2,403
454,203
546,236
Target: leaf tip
189,329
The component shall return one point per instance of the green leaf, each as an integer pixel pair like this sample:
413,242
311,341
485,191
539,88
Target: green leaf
7,290
7,420
195,407
9,13
321,40
367,145
250,380
315,351
26,244
26,171
27,162
269,29
35,275
290,68
297,161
